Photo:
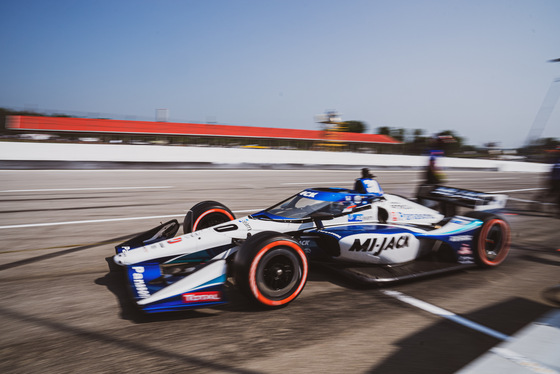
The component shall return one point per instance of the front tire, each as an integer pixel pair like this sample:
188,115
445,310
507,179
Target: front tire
491,243
271,269
206,214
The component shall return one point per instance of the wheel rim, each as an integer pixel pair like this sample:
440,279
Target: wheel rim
270,286
494,242
278,273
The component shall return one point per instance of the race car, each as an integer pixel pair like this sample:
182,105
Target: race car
363,233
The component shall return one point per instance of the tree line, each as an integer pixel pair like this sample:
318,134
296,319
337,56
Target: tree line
417,141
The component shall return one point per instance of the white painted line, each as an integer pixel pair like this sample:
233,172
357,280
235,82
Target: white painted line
89,189
498,179
424,180
530,201
103,220
312,183
210,170
407,182
517,358
521,190
86,221
445,313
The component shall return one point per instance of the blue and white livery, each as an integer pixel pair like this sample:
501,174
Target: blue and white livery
363,233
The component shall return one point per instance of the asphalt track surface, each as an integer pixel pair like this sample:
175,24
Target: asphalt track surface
64,307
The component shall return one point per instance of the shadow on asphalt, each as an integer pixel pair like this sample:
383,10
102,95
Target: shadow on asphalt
187,360
446,347
61,253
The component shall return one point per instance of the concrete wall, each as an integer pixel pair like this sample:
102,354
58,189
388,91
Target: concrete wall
11,152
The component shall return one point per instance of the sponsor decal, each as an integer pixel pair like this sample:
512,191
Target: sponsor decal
357,199
414,216
308,194
174,240
400,206
377,246
458,193
246,223
465,260
461,238
464,250
138,281
306,245
330,233
201,297
355,217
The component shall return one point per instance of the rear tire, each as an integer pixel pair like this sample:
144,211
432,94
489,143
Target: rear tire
491,242
271,269
206,214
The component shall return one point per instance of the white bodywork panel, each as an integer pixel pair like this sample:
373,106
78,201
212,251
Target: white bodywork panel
402,210
379,248
399,209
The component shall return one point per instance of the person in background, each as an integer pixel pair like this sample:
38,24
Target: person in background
431,177
554,185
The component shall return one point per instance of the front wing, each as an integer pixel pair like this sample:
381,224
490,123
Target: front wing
156,292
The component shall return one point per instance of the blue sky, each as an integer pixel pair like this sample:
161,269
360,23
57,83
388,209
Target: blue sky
476,67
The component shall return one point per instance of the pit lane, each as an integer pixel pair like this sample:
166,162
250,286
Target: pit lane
64,310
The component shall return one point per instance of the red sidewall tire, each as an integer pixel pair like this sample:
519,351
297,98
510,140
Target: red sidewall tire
271,269
253,274
206,214
482,242
223,212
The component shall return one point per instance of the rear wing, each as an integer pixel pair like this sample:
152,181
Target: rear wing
466,198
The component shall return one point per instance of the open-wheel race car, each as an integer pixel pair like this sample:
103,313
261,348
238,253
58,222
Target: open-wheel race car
362,233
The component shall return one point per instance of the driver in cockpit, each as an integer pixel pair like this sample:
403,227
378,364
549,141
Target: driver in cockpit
366,184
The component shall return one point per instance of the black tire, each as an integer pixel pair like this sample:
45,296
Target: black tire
491,242
271,269
206,214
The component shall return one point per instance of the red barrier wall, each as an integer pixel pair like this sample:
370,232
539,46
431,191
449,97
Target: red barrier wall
88,125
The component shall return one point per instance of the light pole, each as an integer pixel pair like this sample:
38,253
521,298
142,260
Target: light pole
162,115
543,115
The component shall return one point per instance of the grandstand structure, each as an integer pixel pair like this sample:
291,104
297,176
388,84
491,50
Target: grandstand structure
120,131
